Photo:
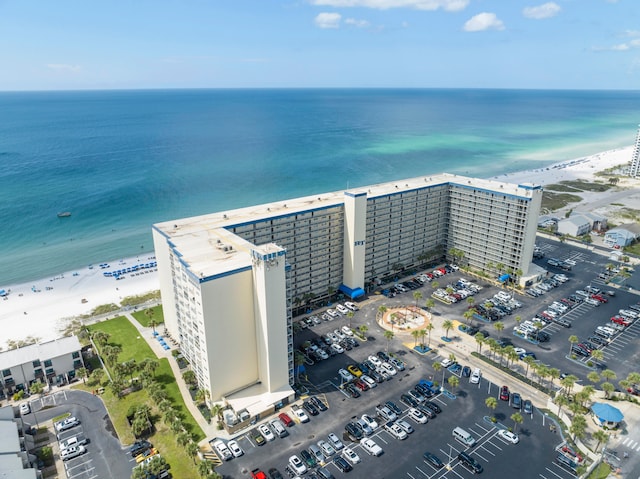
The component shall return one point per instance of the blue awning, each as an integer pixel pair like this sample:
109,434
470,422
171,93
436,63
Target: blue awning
503,278
352,293
606,412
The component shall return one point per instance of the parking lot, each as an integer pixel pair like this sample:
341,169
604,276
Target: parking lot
104,457
466,407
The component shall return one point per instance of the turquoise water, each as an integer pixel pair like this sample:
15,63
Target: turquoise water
120,161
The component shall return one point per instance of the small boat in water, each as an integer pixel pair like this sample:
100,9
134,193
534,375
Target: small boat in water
64,214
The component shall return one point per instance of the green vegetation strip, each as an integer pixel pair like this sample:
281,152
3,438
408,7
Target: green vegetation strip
514,374
125,335
555,201
601,472
586,185
561,187
145,316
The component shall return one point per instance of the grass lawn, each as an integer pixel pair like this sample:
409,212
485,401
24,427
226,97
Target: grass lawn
126,336
600,472
143,318
555,201
123,334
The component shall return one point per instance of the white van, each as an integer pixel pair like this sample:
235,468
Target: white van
464,437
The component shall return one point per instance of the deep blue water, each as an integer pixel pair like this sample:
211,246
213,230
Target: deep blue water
123,160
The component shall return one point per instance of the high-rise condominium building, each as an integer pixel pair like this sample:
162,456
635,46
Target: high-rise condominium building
230,279
634,170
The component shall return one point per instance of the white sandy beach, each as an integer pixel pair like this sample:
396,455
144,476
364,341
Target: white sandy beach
42,314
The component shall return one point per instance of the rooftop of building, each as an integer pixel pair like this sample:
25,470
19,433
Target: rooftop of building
207,247
41,351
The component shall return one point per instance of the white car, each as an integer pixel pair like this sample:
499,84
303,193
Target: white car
326,448
301,415
396,431
372,423
370,446
71,452
509,436
297,465
266,432
368,380
375,360
446,362
347,330
520,351
222,449
25,408
351,306
235,448
350,456
335,441
386,367
406,427
475,376
417,416
346,375
340,334
342,309
67,424
337,348
333,313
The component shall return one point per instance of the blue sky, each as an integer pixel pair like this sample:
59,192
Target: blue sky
79,44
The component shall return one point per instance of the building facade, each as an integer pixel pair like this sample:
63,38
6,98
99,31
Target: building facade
230,279
52,363
634,170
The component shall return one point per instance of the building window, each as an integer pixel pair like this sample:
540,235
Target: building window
48,363
6,372
77,364
50,372
75,355
36,363
38,373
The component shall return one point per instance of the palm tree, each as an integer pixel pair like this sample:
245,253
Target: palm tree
381,310
447,325
453,382
204,468
609,375
479,337
528,360
578,427
81,373
573,339
435,285
471,300
437,366
498,326
608,388
594,377
100,338
416,334
601,437
468,315
152,321
597,355
417,295
363,328
568,382
427,330
554,373
350,316
561,400
491,403
517,419
429,304
388,335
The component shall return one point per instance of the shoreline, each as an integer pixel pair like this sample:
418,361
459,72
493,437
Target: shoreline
41,308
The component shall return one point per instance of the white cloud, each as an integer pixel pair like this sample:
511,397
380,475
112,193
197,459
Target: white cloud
448,5
63,67
328,20
546,10
483,21
620,47
357,23
632,33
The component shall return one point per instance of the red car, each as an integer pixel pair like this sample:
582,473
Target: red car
602,299
361,385
504,393
620,320
286,420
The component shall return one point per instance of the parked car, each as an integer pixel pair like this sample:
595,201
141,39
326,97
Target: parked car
222,450
504,393
350,455
139,447
433,460
235,448
266,432
72,452
509,436
67,423
371,447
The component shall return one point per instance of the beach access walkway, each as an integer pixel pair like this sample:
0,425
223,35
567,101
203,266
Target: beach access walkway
210,430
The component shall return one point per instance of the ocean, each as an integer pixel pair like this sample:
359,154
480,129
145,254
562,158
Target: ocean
120,161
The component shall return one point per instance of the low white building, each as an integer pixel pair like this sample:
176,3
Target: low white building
622,236
53,362
574,226
15,461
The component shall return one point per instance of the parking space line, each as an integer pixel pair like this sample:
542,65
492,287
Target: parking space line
408,474
422,472
555,473
480,455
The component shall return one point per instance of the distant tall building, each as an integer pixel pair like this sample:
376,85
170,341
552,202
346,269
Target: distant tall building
229,280
634,171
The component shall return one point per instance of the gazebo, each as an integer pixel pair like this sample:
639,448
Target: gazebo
606,415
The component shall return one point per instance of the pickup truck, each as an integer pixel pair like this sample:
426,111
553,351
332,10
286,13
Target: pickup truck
258,474
79,440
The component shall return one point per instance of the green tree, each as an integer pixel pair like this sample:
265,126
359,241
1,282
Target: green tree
437,367
517,418
149,313
81,373
427,330
601,437
528,360
36,388
204,468
597,355
491,403
480,340
429,304
568,382
363,328
498,326
594,377
573,339
192,449
608,388
578,427
381,310
201,396
183,438
468,315
416,334
417,296
100,338
453,381
350,315
561,400
189,377
388,335
608,375
447,325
